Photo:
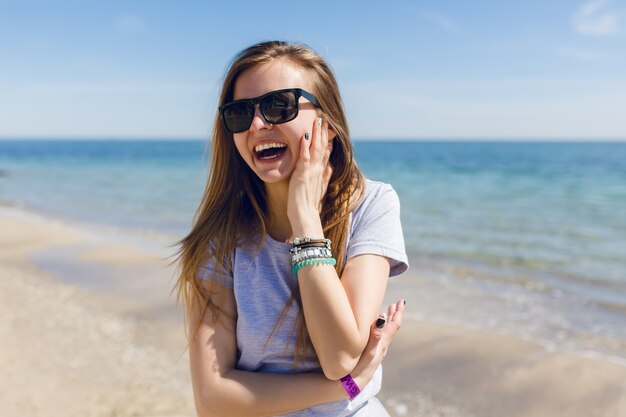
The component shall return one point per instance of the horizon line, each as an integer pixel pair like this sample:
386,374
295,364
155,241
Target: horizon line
354,139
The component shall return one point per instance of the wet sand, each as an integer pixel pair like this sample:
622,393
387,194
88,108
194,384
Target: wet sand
88,328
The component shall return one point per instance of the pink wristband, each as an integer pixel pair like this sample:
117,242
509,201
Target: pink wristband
350,386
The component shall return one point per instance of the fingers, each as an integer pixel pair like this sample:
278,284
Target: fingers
391,310
310,141
322,131
394,322
316,146
382,332
313,171
398,311
380,321
376,341
304,147
319,142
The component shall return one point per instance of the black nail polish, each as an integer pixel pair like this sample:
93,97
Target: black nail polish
380,323
404,302
306,135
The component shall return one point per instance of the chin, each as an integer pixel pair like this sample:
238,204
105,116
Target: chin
274,179
274,176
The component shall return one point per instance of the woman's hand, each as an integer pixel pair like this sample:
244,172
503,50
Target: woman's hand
309,181
377,345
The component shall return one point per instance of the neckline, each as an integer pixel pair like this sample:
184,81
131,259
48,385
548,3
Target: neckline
273,242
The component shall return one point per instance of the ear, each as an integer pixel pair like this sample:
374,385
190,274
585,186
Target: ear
331,133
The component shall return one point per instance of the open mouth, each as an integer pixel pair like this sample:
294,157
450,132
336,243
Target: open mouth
269,150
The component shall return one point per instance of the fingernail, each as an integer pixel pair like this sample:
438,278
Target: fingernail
380,323
319,121
404,302
306,135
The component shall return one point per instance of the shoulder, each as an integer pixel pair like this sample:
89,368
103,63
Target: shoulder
379,206
377,194
376,227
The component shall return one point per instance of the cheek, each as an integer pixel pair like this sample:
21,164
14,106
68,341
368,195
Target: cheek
303,123
240,144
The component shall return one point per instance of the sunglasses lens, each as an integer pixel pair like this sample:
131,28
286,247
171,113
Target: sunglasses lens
238,116
277,107
280,107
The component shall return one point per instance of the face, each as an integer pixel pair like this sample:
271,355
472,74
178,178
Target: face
271,151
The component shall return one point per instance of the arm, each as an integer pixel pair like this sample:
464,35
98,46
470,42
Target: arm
337,312
221,390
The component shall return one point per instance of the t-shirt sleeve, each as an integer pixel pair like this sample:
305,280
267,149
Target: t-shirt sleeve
377,229
208,272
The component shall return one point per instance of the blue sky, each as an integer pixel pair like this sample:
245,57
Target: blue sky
421,69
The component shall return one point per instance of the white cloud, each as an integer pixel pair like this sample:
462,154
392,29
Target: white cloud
593,18
440,20
129,24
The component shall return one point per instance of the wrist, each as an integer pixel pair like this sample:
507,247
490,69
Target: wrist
363,372
351,386
361,379
312,227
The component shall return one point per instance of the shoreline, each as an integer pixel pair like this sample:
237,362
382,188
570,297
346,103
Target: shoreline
117,349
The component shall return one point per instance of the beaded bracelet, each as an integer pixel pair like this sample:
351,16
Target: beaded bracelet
314,261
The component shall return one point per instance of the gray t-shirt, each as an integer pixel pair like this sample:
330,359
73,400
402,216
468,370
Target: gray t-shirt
262,282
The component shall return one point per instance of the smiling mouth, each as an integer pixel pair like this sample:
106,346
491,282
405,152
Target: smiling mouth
269,150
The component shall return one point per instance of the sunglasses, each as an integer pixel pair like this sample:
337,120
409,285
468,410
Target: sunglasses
280,106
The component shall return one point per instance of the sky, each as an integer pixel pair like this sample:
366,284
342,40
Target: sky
534,70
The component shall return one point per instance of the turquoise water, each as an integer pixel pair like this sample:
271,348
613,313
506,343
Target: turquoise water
528,238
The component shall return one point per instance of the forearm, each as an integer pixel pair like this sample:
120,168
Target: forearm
222,390
339,312
247,394
330,320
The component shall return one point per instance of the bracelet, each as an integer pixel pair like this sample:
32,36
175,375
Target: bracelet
302,240
302,246
314,261
350,386
306,248
310,253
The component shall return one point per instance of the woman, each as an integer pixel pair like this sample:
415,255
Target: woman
286,267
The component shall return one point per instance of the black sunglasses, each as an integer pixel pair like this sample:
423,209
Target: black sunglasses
280,106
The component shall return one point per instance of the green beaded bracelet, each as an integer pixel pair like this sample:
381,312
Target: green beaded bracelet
314,261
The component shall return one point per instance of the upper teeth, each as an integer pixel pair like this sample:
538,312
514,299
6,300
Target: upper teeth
265,146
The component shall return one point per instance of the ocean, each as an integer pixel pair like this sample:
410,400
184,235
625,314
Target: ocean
524,238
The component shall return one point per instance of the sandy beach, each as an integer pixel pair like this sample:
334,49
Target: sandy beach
96,333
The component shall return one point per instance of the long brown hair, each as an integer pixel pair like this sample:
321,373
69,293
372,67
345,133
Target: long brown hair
233,210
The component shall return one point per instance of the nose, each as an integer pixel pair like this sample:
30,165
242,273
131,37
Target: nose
258,121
